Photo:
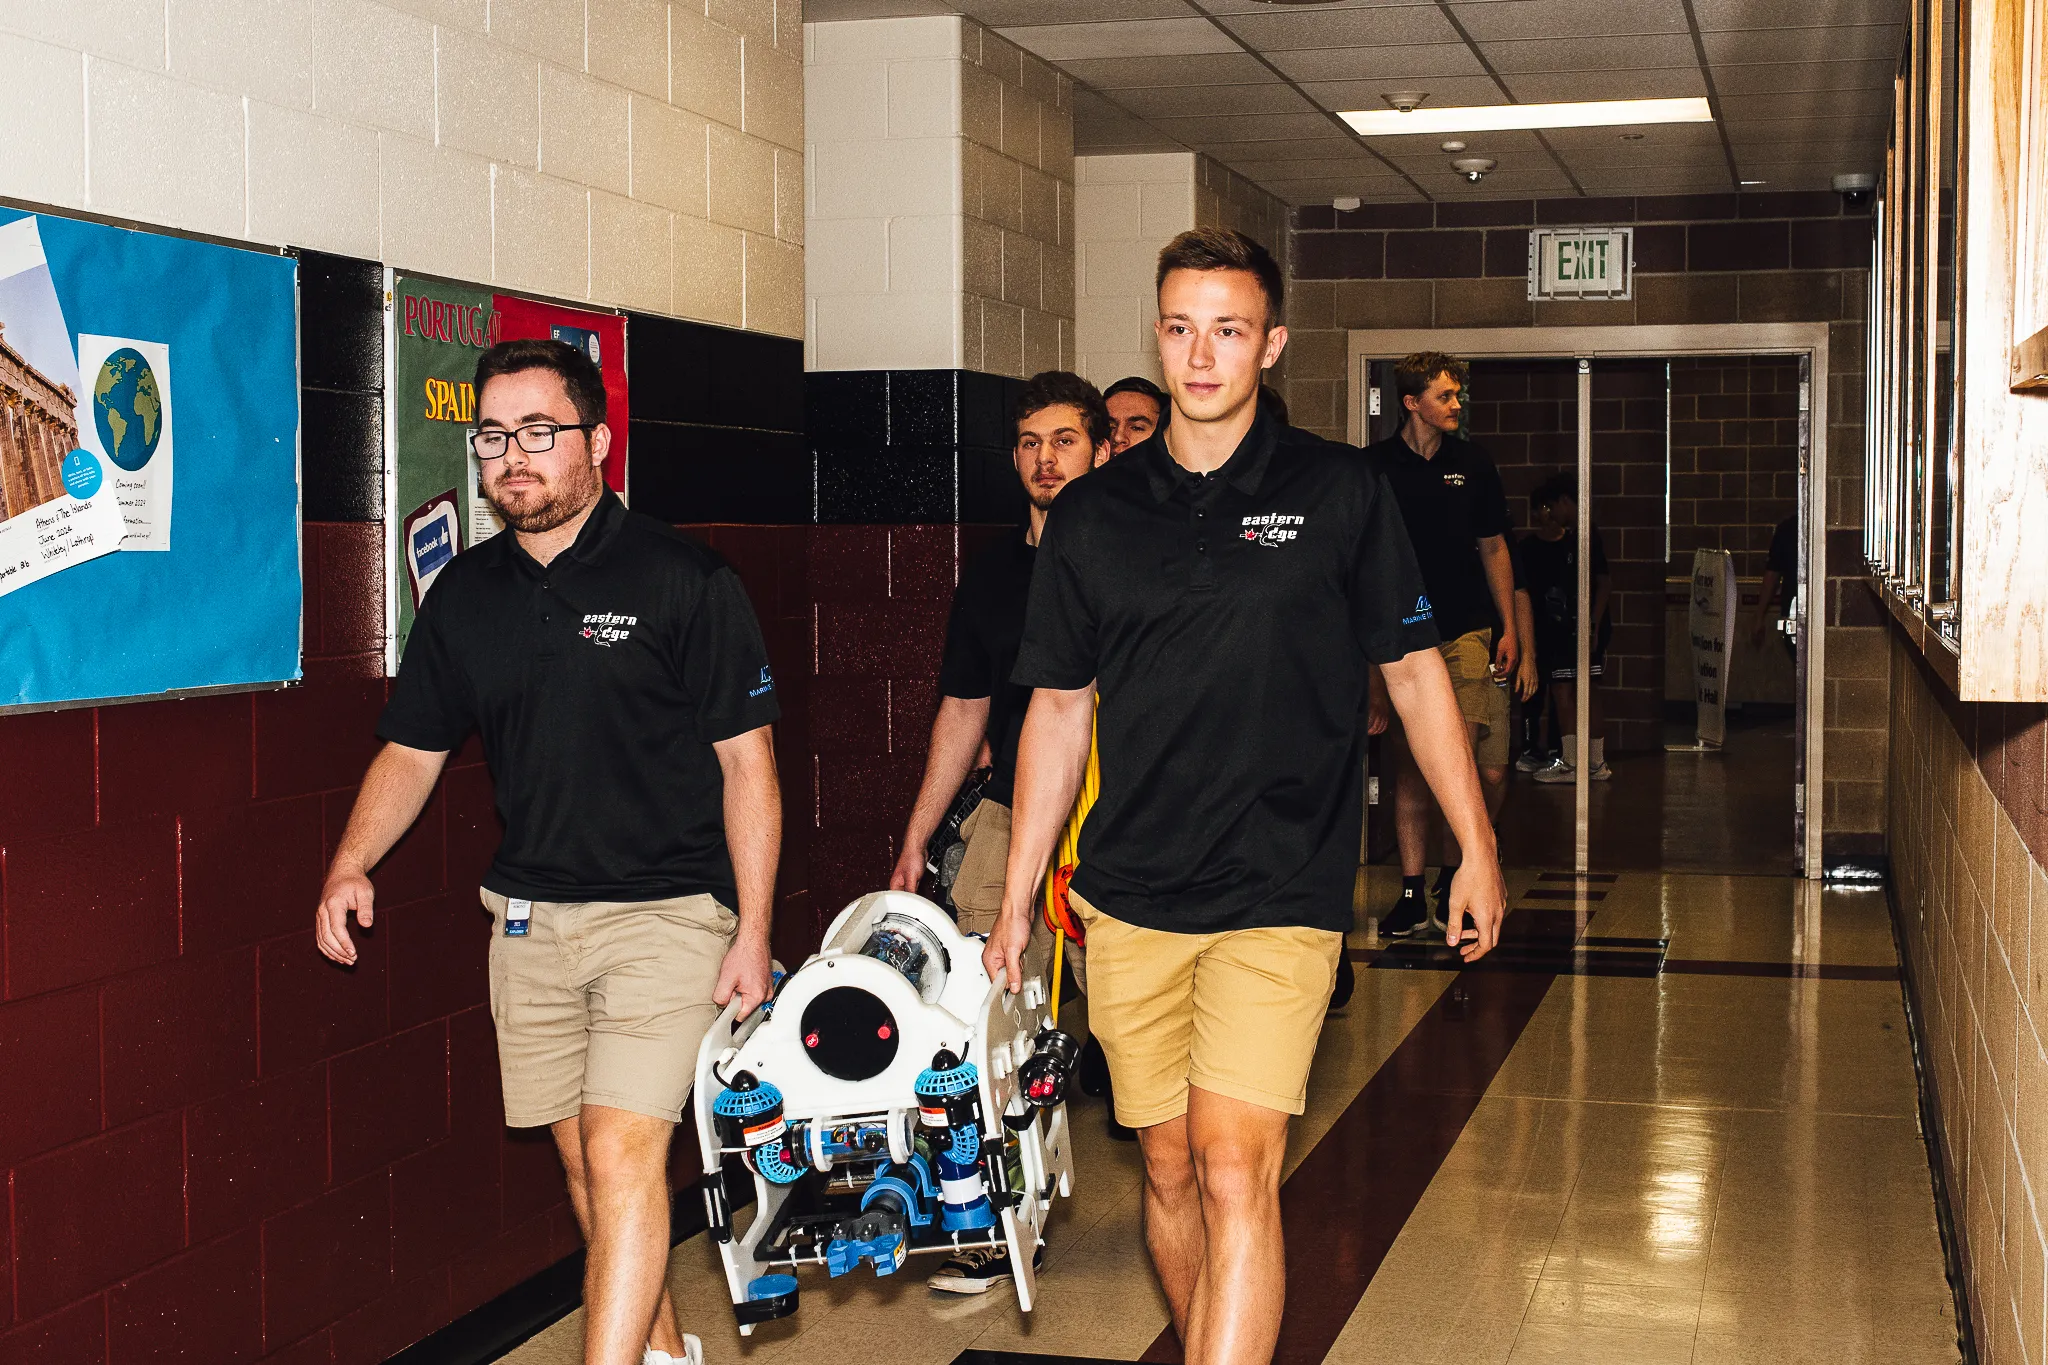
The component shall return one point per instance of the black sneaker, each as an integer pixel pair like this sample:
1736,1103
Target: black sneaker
978,1270
1347,982
1409,913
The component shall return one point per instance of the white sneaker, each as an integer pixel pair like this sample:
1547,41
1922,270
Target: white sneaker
1557,770
693,1354
1531,762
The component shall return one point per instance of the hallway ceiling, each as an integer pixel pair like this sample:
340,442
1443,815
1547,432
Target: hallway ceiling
1801,89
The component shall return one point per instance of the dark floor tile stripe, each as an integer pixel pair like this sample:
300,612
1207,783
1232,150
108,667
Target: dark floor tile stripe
1349,1199
1813,971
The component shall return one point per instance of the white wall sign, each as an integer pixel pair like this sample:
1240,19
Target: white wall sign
1581,262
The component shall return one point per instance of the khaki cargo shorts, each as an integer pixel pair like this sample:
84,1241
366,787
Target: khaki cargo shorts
1480,700
604,1002
1235,1013
978,891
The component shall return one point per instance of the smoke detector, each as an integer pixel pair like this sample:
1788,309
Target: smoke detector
1473,168
1405,100
1344,203
1454,146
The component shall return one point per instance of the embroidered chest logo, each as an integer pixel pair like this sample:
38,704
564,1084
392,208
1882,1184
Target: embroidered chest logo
607,628
1453,479
1272,529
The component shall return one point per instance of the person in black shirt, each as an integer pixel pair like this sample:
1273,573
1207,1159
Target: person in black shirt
616,675
1137,408
1780,585
1222,588
1549,561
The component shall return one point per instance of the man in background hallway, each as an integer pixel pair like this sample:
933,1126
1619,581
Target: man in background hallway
615,672
1457,518
1061,431
1137,408
1222,587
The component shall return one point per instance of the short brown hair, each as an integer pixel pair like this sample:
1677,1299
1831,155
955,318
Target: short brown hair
578,373
1050,388
1413,374
1215,248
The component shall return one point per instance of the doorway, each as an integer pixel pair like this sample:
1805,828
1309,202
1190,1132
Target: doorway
1689,438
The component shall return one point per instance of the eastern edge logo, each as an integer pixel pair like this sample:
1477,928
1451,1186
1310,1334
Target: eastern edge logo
767,684
1272,528
1423,612
607,628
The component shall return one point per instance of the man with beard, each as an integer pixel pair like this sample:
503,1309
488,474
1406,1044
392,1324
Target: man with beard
1062,431
616,675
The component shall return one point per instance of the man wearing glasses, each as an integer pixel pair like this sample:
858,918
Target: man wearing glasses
616,675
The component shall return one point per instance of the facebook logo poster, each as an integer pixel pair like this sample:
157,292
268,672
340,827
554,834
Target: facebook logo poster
430,542
143,325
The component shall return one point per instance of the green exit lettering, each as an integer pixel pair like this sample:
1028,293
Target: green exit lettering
1582,259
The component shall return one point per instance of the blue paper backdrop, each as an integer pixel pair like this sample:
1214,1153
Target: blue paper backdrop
221,608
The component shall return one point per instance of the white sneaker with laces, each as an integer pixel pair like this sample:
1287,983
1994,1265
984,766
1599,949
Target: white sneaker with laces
693,1354
1557,770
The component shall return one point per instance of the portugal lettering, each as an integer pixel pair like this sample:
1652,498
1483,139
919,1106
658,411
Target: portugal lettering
459,323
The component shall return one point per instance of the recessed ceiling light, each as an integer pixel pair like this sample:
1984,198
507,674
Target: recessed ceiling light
1754,182
1479,118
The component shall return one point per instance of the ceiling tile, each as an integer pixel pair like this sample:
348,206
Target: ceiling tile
1590,54
1646,136
1442,90
1508,182
1780,77
1244,128
1727,14
1283,30
1231,7
1413,64
1505,142
1613,182
1126,39
1855,128
1271,98
1497,19
1223,68
833,11
1295,149
1620,83
1321,190
1307,170
1624,156
1874,102
1882,42
1006,13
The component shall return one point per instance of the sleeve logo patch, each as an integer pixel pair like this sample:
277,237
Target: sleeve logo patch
1272,529
767,684
1423,612
607,628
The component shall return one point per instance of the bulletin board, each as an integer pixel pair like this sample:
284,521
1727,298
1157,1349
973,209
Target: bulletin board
436,332
149,464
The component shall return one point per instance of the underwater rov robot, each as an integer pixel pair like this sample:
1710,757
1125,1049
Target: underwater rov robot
888,1101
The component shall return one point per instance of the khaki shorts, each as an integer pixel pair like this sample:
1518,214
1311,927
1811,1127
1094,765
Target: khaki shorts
1235,1013
604,1002
978,891
1480,700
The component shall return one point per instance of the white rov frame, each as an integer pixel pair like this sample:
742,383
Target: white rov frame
982,1023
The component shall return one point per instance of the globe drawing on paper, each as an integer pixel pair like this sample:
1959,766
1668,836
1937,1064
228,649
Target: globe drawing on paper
127,409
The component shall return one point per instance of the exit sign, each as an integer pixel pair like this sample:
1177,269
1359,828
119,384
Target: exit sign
1581,263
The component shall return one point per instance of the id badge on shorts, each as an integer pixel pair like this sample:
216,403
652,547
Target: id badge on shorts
518,918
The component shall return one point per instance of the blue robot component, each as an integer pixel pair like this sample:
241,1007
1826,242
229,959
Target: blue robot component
897,1201
948,1102
749,1115
782,1163
768,1297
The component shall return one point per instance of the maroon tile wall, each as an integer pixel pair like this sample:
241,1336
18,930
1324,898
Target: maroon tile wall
1734,456
1526,414
215,1145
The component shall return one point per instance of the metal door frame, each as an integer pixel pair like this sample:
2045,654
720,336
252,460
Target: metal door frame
1806,339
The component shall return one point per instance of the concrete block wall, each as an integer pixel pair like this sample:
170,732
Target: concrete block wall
1968,822
634,153
1126,208
940,200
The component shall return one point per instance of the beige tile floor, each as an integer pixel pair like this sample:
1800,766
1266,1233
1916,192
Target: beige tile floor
1722,1170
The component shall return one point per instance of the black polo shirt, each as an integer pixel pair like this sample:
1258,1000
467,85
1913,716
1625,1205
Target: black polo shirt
981,650
1448,501
1227,622
599,684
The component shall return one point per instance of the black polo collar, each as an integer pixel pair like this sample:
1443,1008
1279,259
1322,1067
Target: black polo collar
1245,469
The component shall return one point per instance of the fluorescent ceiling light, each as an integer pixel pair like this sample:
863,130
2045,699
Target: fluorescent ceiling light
1482,118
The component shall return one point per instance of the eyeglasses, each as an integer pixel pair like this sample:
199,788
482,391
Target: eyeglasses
489,443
